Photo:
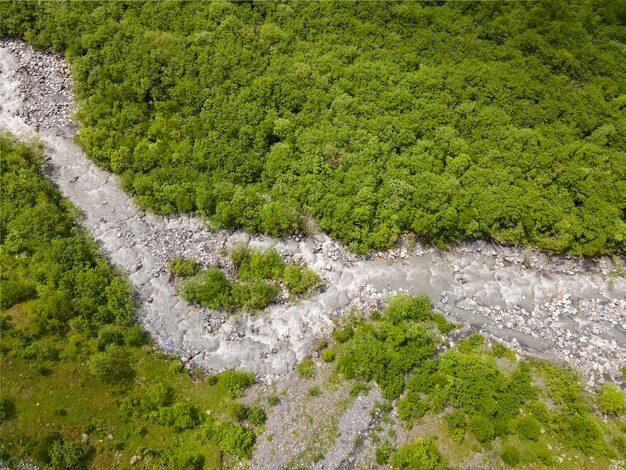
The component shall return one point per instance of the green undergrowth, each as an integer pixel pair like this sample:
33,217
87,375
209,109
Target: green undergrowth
485,394
81,386
258,277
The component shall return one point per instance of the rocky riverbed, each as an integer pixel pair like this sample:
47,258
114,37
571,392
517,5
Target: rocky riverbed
570,309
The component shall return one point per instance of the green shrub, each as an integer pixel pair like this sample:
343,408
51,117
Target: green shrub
235,439
313,391
510,455
175,368
343,334
529,428
183,267
273,400
384,452
471,343
67,455
254,264
328,355
300,280
611,399
500,350
112,366
235,382
358,388
157,396
136,336
482,428
209,288
7,409
252,296
404,409
422,455
236,410
306,368
182,461
256,415
443,325
43,446
110,335
179,416
456,425
403,307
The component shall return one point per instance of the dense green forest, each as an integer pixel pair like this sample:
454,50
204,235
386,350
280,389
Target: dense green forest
81,386
448,119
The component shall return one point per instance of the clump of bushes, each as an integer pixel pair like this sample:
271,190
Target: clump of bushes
386,349
256,283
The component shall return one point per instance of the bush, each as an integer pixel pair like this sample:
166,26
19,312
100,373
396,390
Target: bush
7,409
109,335
300,280
529,428
67,455
471,343
43,446
235,439
254,264
183,267
384,452
313,391
500,350
328,355
112,366
235,382
510,455
422,455
236,410
482,428
157,396
456,426
209,288
343,334
136,336
256,415
611,399
306,368
273,400
180,416
180,461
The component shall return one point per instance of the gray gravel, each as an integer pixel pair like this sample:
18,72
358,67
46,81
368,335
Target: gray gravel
568,308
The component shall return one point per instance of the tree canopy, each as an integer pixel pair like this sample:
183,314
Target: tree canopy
447,119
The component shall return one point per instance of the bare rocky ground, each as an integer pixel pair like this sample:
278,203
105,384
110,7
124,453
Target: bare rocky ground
570,309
